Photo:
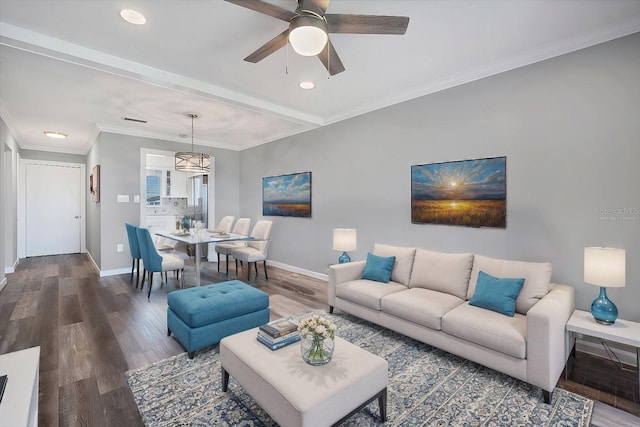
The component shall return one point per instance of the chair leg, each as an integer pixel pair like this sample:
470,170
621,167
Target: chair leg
265,270
133,265
144,274
227,264
248,270
218,253
255,266
182,280
137,272
236,268
151,283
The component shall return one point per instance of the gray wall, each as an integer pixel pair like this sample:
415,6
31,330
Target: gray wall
569,127
93,218
119,158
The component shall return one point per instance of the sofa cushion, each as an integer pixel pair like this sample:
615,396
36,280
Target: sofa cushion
497,294
401,272
536,278
367,292
488,329
378,268
442,272
422,306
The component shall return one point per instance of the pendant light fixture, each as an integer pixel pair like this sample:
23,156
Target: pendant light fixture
189,161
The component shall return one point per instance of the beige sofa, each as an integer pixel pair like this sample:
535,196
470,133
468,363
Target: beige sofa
428,297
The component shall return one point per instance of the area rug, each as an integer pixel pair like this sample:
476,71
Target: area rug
427,387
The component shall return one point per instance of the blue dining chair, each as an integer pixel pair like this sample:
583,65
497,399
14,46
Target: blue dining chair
154,262
134,248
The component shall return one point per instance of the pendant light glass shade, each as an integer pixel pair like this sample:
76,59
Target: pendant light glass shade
190,161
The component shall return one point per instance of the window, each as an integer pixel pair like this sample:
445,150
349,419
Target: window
154,185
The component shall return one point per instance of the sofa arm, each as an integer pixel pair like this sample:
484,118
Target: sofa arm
547,338
340,273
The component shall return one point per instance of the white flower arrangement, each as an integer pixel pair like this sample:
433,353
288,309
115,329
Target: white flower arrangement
317,327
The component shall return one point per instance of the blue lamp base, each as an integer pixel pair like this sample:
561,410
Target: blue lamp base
603,309
345,258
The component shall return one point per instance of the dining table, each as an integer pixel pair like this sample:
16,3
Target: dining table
201,237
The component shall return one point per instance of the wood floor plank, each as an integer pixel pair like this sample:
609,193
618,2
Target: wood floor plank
27,306
70,311
74,354
80,404
48,397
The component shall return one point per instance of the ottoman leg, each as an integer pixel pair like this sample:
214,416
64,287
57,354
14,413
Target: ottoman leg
192,354
168,332
225,380
382,403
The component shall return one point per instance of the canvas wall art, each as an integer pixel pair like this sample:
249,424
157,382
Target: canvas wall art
287,195
470,193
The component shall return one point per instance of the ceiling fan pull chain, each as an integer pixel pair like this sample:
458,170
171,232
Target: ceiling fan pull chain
286,65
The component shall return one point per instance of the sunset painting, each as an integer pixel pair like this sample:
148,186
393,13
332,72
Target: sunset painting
287,195
472,193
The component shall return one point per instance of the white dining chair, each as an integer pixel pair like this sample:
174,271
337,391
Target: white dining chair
241,227
255,251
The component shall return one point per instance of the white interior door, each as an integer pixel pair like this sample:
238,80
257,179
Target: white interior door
52,209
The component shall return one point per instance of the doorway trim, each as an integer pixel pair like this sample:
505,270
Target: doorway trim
143,186
22,201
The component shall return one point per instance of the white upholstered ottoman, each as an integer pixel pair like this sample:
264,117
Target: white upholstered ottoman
294,393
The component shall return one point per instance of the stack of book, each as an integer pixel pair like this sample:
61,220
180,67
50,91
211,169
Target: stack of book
278,333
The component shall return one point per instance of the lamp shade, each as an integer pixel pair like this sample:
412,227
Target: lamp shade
344,239
604,267
308,35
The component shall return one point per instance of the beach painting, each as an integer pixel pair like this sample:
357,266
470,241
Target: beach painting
469,193
287,195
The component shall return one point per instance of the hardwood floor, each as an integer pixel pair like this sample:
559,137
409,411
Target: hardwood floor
91,330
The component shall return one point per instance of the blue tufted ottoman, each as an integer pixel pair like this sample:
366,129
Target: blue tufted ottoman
202,316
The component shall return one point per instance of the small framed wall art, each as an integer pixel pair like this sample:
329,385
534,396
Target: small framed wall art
94,184
287,195
470,193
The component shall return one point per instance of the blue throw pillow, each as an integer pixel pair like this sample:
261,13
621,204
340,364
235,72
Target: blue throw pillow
378,268
497,294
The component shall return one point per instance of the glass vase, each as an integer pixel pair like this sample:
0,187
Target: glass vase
316,350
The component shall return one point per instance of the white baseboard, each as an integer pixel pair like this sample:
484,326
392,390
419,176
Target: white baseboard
3,283
595,348
12,269
298,270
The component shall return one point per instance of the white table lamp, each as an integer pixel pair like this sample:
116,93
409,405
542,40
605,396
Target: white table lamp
604,267
344,239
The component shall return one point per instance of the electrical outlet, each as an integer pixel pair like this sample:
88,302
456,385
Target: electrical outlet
120,247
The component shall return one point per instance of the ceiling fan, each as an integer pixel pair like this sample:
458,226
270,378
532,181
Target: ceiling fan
310,25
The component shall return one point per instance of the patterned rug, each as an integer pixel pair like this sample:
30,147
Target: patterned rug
427,387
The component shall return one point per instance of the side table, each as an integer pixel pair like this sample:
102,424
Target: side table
19,405
622,332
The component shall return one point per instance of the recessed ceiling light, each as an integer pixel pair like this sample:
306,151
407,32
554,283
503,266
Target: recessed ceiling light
307,85
133,17
56,135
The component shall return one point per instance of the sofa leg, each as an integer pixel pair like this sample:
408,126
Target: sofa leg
547,396
330,309
192,354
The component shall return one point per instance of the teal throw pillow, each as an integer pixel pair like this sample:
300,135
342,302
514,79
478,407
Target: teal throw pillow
378,268
497,294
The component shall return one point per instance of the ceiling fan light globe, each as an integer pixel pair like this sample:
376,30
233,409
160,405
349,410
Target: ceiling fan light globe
308,35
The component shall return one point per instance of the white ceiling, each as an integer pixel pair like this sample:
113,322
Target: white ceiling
76,67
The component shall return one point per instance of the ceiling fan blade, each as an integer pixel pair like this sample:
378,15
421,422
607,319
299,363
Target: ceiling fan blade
266,8
332,61
367,24
316,6
269,47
